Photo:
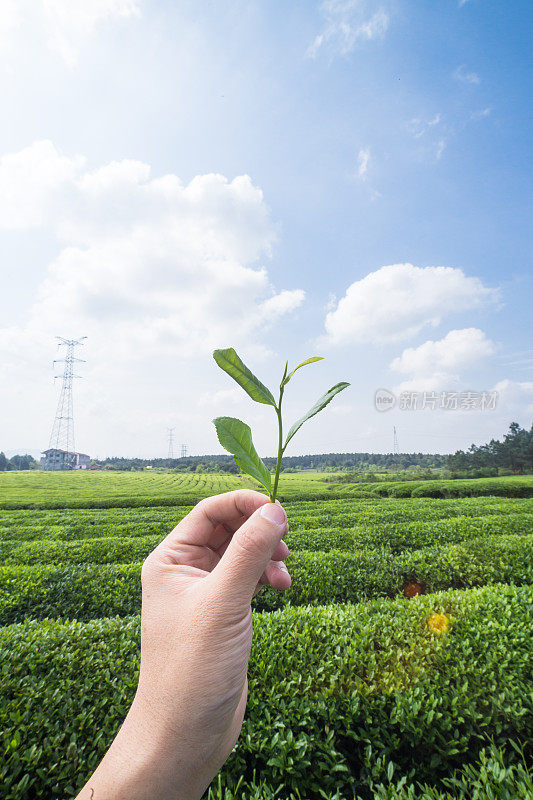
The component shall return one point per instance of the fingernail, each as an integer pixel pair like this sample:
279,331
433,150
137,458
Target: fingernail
280,565
274,513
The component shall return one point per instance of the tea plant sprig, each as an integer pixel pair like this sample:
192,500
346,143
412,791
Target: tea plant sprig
236,437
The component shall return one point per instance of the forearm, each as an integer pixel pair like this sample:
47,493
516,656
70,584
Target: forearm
195,644
147,761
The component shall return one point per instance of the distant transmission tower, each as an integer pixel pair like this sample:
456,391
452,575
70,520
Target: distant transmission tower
171,442
183,451
396,448
62,436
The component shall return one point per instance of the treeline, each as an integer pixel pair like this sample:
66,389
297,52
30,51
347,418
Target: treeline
322,462
17,462
514,454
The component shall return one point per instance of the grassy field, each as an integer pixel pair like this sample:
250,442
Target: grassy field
397,667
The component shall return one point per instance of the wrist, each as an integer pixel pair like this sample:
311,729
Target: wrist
146,760
160,755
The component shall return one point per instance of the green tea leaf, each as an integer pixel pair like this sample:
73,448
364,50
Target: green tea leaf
318,406
286,378
236,437
229,361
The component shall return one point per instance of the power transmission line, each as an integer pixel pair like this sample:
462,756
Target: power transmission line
184,451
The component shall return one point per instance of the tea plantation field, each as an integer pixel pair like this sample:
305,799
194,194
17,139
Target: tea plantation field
145,489
398,666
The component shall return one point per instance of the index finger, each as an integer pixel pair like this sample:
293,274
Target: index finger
200,524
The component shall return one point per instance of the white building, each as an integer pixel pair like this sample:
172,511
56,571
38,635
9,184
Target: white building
54,459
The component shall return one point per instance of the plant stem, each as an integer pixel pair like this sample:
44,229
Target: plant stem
280,447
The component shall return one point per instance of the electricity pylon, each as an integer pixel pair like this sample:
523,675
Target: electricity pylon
170,442
396,448
62,436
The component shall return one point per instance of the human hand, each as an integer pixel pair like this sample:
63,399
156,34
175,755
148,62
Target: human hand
196,636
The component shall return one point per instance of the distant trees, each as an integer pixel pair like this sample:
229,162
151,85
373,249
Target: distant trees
17,462
326,462
187,464
22,462
514,453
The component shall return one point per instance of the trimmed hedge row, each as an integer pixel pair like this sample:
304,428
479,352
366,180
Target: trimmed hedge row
346,515
186,498
136,495
112,502
86,592
67,524
475,487
397,537
335,694
410,536
336,577
108,550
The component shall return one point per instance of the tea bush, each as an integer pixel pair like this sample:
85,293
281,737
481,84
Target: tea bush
65,524
337,577
89,591
123,549
475,487
321,520
378,700
496,776
48,490
325,684
413,535
108,550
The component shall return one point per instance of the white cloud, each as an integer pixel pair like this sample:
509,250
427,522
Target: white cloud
221,397
282,303
150,264
515,399
348,22
420,127
483,112
32,181
375,26
10,20
397,301
437,364
62,24
461,74
363,159
157,273
315,45
332,302
432,133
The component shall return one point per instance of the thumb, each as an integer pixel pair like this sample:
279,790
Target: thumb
250,550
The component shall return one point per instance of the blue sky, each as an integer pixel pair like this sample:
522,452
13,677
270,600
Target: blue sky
373,134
